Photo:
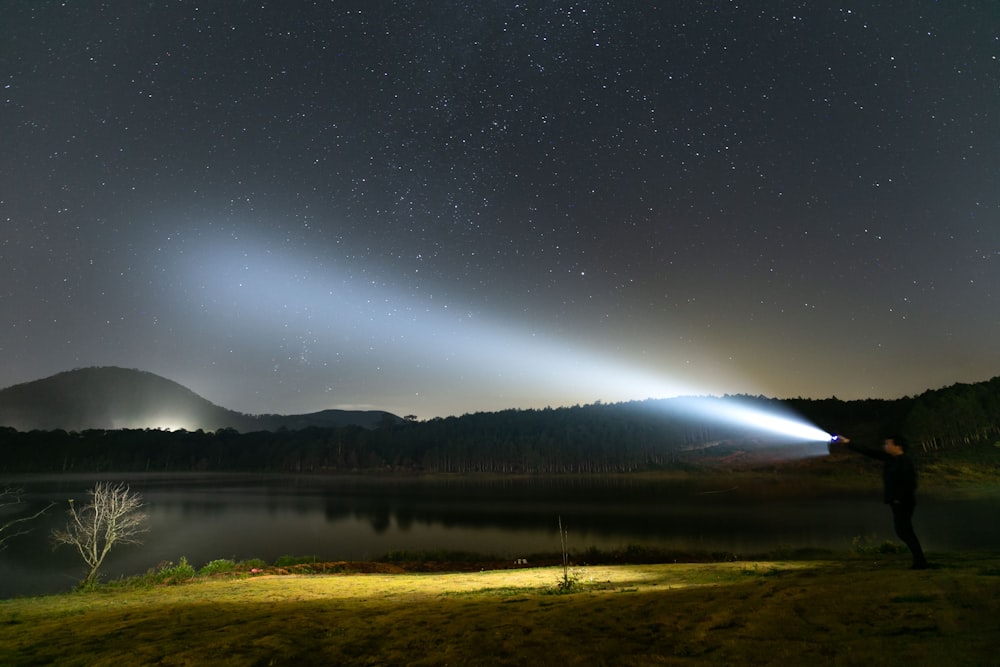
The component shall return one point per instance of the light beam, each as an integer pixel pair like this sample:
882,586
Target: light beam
785,426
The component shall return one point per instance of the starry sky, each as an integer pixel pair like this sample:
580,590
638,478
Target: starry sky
444,207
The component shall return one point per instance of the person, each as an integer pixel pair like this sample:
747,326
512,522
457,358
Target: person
899,486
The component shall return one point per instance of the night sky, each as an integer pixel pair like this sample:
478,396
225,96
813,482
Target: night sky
444,207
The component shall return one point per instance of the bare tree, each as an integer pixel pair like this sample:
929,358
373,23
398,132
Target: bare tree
113,516
10,497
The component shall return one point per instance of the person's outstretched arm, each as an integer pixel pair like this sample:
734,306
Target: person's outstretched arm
875,453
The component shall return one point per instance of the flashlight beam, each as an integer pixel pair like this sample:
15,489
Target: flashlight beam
781,425
770,419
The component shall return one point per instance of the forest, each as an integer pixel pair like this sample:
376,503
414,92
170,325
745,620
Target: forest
599,438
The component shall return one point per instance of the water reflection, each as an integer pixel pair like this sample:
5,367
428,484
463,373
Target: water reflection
239,516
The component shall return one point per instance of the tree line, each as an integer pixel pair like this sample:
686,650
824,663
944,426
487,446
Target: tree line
598,438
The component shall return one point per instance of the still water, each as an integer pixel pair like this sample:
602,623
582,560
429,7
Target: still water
205,517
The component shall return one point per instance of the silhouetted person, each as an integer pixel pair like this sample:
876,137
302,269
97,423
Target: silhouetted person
899,484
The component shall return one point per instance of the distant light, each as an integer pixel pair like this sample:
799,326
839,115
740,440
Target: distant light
161,422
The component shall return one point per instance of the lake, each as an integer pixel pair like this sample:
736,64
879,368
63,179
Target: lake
205,517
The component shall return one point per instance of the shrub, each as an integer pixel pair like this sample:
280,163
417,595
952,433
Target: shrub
868,545
165,573
219,566
175,574
435,556
287,561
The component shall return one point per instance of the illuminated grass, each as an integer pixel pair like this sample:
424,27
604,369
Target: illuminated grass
851,612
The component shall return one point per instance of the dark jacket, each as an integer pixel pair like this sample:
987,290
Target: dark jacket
899,477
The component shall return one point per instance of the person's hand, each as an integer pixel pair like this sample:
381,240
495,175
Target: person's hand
843,438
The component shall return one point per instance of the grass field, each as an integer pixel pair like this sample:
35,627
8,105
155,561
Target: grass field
854,610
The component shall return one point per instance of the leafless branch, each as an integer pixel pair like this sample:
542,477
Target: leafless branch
9,498
113,516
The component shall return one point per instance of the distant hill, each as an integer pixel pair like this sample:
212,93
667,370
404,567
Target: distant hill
120,398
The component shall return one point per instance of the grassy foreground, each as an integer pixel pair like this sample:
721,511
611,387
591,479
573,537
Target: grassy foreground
853,611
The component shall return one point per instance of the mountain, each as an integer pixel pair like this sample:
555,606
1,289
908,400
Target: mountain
119,398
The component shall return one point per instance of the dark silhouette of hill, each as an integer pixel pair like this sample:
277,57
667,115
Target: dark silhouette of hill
324,419
120,398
